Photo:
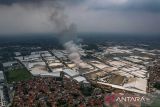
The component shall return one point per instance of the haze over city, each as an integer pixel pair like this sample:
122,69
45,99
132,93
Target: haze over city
113,16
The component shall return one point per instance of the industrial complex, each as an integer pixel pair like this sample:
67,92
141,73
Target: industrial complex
127,73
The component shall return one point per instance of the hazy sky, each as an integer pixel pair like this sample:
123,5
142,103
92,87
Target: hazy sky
119,16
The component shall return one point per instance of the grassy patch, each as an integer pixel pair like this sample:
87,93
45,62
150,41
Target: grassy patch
18,74
156,103
157,85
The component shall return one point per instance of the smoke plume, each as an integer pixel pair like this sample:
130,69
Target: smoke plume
73,52
67,33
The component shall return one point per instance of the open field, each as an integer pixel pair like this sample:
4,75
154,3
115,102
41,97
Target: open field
18,74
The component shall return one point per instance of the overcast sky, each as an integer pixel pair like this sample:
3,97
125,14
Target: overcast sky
117,16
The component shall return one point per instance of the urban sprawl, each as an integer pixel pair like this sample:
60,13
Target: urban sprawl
50,79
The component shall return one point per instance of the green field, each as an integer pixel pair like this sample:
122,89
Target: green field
156,103
18,74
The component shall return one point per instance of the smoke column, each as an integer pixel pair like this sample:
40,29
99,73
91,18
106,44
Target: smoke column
73,52
67,34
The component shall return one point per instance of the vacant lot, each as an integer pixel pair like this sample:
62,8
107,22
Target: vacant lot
18,74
